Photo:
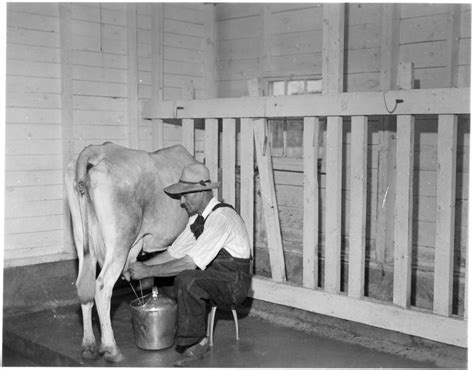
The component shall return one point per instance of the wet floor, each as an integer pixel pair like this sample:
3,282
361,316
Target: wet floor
53,338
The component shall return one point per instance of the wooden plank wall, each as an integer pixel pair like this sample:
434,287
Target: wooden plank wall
33,158
80,81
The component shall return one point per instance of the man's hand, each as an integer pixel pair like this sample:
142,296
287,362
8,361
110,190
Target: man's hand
139,271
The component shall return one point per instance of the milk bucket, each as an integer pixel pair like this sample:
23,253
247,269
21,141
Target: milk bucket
154,320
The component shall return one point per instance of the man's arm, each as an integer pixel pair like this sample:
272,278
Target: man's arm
171,267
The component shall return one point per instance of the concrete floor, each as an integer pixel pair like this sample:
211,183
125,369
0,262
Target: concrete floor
53,338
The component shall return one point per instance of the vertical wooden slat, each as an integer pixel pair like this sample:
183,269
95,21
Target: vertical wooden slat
403,211
389,55
332,250
66,110
211,148
452,45
132,75
266,40
358,206
157,72
247,175
446,191
269,202
402,255
228,160
188,134
311,133
333,71
333,48
209,54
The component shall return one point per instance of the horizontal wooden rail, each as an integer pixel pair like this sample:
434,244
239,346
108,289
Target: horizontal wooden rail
414,322
426,101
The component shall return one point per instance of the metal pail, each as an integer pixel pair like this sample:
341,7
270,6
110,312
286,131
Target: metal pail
154,320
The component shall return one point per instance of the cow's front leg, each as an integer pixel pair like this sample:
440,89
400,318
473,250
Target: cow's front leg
89,348
104,285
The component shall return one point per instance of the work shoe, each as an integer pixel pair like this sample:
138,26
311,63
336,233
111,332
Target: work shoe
198,350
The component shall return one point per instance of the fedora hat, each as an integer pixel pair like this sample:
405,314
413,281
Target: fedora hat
194,177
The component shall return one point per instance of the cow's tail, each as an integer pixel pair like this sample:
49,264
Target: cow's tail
78,197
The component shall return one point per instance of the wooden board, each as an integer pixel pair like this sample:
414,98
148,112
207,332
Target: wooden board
228,160
247,176
358,209
418,323
311,202
332,267
430,101
445,211
211,148
269,203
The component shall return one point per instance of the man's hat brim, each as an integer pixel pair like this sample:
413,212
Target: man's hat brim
182,188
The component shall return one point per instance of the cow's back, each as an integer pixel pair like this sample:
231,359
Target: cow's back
135,180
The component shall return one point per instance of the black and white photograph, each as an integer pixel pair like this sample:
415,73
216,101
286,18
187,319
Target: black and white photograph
236,184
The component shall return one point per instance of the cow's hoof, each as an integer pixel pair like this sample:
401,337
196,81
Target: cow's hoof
89,353
112,354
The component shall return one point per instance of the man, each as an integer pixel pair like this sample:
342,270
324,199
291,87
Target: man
211,259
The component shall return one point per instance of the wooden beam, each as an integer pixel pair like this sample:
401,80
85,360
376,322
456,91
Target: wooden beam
211,148
132,76
265,55
332,251
311,132
390,45
247,176
157,72
452,45
269,202
420,323
67,120
446,202
404,198
209,54
333,48
228,160
187,125
358,206
188,134
426,101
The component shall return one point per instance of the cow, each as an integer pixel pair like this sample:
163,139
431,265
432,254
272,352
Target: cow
118,208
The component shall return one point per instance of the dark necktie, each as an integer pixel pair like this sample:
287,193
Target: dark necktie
197,226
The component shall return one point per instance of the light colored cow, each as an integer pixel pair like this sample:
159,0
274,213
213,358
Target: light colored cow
118,207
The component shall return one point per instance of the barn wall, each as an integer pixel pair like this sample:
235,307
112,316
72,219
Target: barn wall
284,41
75,77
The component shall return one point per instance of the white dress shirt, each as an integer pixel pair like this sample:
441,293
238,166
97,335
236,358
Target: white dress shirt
224,228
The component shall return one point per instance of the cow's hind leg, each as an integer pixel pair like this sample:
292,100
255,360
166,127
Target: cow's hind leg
89,348
104,285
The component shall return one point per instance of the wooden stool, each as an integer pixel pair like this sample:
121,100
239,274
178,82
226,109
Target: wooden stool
210,324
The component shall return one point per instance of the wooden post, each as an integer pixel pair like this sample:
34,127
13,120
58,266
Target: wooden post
333,48
332,70
266,40
452,45
269,201
157,71
390,45
404,199
66,111
247,175
267,188
446,201
358,206
187,125
132,76
210,51
228,160
311,133
211,148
